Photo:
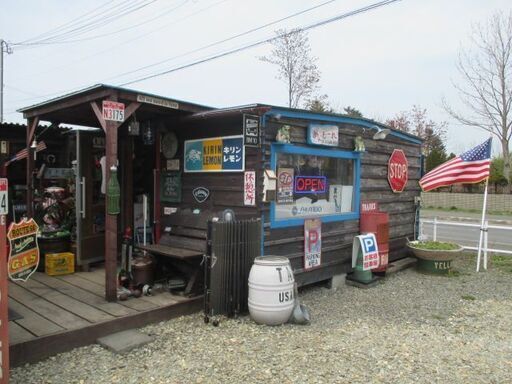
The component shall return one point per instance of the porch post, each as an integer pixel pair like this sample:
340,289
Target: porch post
110,220
32,123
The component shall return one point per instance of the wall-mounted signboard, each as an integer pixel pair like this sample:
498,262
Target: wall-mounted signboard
112,110
321,134
252,130
170,187
216,154
312,243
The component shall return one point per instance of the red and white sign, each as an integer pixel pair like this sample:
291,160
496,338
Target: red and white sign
4,197
312,243
250,188
285,185
366,245
398,171
113,111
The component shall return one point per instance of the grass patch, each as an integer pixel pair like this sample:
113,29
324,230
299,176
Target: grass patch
468,297
434,245
503,263
438,317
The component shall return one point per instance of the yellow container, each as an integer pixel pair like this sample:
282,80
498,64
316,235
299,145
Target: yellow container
59,263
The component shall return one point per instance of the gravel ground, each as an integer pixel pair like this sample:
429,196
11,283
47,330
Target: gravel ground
413,328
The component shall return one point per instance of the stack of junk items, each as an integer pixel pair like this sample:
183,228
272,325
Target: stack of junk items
232,262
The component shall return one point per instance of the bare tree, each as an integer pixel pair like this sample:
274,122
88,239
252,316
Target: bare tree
486,88
297,67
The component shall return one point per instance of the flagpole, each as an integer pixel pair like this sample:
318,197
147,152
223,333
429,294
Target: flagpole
482,226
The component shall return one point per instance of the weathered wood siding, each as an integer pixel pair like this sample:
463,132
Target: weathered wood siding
226,188
337,237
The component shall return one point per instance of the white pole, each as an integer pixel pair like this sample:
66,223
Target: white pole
144,216
434,235
484,208
486,242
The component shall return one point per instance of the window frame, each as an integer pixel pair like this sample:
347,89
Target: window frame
335,153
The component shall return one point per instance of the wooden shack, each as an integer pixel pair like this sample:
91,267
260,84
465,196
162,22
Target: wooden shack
208,139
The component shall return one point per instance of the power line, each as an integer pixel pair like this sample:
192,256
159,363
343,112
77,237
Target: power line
119,45
224,40
106,19
268,40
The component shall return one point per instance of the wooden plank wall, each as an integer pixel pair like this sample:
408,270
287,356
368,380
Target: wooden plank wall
337,236
226,188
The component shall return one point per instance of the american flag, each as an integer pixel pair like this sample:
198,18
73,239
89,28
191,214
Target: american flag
472,166
24,153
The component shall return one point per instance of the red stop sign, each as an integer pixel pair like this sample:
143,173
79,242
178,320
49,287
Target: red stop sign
398,172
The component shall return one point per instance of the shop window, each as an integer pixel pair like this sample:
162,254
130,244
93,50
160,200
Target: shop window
314,183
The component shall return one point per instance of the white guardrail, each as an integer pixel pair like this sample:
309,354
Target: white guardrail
435,223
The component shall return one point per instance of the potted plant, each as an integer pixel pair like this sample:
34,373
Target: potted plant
434,256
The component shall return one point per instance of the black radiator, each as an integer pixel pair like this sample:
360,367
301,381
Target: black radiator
232,247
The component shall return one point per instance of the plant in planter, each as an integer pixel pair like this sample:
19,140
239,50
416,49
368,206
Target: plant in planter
434,256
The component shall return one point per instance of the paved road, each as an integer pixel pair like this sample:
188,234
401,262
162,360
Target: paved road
468,236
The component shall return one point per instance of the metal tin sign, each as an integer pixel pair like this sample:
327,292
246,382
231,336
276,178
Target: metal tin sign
250,188
321,134
398,171
4,197
369,249
24,251
310,184
312,243
369,206
201,194
285,185
252,130
112,110
217,154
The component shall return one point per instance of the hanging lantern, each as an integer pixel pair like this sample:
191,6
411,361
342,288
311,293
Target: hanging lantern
113,193
148,133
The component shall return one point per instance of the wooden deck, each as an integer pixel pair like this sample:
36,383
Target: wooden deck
63,312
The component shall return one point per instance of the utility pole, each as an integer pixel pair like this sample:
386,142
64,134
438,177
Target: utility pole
8,50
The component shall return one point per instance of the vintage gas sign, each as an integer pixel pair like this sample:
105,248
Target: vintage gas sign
310,184
312,243
24,251
398,173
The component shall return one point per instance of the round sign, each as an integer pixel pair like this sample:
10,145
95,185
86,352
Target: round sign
398,172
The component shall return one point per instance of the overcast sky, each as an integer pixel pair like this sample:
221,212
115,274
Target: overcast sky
381,62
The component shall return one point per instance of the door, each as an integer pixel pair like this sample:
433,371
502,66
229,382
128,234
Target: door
90,197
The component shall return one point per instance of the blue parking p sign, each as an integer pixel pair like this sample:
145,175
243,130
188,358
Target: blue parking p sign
369,244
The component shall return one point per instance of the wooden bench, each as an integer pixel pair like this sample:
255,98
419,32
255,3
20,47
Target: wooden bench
183,243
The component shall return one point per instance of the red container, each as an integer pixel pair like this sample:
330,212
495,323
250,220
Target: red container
377,223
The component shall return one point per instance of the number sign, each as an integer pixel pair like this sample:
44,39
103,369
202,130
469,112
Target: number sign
113,111
4,197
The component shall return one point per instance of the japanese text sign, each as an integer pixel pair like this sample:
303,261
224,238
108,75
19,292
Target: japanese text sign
24,251
312,243
218,154
367,244
113,110
321,134
285,185
250,188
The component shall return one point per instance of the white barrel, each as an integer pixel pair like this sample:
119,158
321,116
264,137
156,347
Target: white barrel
271,282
